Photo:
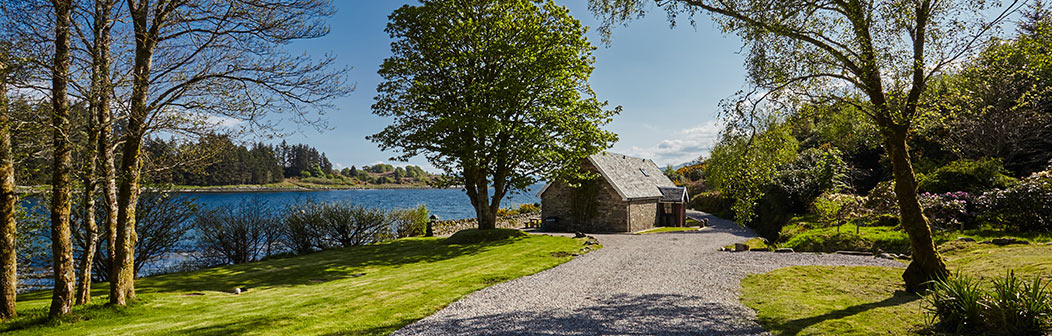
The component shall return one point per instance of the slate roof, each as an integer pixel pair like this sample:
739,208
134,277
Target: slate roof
673,194
633,178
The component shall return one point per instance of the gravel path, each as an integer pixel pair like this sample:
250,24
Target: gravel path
655,284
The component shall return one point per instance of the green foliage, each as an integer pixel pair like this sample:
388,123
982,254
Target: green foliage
838,209
495,92
846,238
966,175
1025,207
813,172
961,304
741,167
715,203
410,222
476,236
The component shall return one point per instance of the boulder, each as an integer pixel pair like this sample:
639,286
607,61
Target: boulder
784,250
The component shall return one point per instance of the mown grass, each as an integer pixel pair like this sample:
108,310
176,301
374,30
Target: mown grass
371,290
866,300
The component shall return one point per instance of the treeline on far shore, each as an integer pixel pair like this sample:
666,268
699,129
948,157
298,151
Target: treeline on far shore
217,160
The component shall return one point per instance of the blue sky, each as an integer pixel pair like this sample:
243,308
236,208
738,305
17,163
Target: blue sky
668,80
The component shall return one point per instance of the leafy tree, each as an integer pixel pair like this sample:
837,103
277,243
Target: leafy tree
1000,104
742,166
495,92
877,55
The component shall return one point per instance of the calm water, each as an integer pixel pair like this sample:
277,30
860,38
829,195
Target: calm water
446,203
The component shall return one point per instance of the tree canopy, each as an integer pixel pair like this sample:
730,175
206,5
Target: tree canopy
493,92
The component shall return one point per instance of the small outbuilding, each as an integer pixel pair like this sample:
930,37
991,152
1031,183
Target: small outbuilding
631,194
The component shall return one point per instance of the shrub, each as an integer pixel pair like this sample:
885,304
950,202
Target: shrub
235,235
302,228
714,203
475,236
410,222
1025,207
813,172
949,210
773,211
1013,307
352,225
966,175
882,199
1019,308
529,208
957,303
838,209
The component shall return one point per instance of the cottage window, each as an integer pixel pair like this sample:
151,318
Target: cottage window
641,170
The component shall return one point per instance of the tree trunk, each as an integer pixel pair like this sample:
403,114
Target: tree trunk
927,264
99,106
90,228
61,168
8,260
105,151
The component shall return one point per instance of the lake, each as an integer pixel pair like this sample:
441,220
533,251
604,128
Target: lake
446,203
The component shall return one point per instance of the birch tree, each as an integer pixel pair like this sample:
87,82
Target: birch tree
876,55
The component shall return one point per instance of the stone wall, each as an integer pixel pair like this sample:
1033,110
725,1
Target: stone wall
448,227
608,212
642,215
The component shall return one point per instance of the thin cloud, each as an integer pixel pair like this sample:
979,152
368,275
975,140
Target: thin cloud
682,146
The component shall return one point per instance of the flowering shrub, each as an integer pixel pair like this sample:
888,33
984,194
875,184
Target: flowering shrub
1025,207
882,201
949,210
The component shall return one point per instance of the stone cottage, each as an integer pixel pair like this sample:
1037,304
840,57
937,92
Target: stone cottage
631,194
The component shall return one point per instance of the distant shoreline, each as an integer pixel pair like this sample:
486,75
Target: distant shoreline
246,188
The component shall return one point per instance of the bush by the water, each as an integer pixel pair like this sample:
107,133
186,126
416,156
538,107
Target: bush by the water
237,235
966,175
311,225
475,236
962,305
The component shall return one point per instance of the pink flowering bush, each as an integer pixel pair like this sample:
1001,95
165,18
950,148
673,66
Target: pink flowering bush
1026,207
948,210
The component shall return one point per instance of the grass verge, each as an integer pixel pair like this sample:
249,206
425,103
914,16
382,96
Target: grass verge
866,300
370,290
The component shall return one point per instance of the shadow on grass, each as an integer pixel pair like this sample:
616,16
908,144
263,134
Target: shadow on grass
314,268
32,318
308,269
794,327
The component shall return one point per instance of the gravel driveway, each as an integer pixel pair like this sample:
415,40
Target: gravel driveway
655,284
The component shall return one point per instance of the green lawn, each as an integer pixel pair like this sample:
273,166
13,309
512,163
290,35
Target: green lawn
371,290
865,300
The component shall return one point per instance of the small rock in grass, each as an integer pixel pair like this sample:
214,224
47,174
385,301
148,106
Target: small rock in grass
887,255
739,247
237,291
784,250
579,235
965,239
357,275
